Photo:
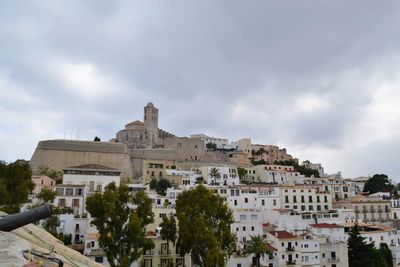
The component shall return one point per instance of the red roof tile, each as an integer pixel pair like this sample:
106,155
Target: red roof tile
270,247
325,225
282,234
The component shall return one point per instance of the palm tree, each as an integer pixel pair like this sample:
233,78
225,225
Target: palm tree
256,246
214,173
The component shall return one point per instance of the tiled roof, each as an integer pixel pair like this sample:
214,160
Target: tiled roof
269,247
325,225
282,234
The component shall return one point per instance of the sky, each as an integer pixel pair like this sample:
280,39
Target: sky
320,78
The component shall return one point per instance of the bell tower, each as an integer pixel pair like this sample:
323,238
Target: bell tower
151,122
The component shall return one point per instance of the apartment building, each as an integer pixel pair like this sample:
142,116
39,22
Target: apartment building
367,209
156,169
95,176
253,197
305,198
71,196
287,247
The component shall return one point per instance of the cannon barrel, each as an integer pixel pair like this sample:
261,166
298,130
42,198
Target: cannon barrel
14,221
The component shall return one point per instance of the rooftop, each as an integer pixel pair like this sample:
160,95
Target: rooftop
282,234
326,225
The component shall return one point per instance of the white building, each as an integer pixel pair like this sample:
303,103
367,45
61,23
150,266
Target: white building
226,175
220,142
71,196
95,176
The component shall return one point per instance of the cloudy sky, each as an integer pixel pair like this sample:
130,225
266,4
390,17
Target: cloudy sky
321,78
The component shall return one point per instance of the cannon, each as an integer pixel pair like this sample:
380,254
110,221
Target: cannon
14,221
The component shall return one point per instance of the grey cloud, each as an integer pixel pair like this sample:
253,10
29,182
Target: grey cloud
198,62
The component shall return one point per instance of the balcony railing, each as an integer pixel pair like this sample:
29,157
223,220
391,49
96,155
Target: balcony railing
290,262
333,260
290,249
164,252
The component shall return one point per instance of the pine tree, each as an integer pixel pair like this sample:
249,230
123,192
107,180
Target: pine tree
359,251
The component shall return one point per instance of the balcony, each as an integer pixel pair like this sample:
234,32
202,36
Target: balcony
289,263
290,249
333,260
164,252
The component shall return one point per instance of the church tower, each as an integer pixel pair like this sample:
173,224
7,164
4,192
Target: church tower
151,122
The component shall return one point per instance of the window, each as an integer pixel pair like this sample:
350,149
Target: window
246,200
61,203
302,199
69,191
294,199
254,217
91,186
60,191
263,202
274,201
252,228
310,199
235,202
286,199
99,188
242,217
75,203
98,259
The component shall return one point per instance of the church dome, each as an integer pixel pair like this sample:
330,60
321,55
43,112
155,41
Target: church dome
135,125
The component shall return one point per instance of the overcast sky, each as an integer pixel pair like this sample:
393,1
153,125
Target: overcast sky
321,78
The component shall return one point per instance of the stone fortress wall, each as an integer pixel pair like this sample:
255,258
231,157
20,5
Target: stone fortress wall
61,154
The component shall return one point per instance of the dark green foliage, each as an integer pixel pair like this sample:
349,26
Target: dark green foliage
97,139
67,239
362,254
378,183
211,146
121,230
168,229
386,254
302,169
15,185
358,250
258,162
204,222
56,175
47,195
258,152
161,185
241,172
256,246
214,173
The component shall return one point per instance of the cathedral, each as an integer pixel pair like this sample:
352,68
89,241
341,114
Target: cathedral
146,134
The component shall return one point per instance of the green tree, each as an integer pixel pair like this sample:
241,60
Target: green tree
168,230
97,139
386,254
204,222
258,162
15,185
47,195
241,172
214,173
53,174
161,185
121,230
256,246
378,183
211,146
359,251
153,184
302,169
